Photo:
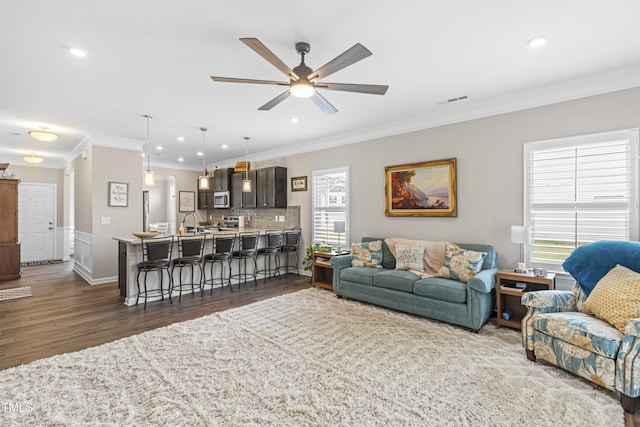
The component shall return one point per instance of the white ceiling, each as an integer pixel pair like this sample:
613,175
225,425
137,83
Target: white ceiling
156,57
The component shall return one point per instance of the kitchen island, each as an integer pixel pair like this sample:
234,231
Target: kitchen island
130,254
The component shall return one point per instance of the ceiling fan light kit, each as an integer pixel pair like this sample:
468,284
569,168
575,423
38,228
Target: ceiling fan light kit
303,81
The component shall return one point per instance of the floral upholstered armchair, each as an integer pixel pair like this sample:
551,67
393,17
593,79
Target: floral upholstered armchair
592,331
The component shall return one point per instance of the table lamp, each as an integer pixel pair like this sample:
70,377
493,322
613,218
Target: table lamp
520,235
339,227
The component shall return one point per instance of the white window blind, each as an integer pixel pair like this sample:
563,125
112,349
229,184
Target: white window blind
330,194
579,190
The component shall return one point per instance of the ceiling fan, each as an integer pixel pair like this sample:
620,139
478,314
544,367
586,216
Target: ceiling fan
303,81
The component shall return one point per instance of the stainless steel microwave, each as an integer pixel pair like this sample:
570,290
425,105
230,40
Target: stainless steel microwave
221,199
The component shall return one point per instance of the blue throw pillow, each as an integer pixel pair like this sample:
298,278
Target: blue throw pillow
589,263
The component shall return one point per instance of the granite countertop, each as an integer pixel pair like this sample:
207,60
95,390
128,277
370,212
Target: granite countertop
222,230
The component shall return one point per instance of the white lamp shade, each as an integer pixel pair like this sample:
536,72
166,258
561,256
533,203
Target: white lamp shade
519,234
203,183
149,178
338,226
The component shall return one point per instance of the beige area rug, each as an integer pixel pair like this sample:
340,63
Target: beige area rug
14,293
304,359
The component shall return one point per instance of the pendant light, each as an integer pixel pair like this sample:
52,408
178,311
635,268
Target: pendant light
149,175
246,182
203,181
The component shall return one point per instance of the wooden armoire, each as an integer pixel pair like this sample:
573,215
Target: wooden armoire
9,246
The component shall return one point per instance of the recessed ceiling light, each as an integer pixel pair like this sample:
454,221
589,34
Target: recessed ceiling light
180,159
159,147
77,52
225,146
141,154
199,153
180,138
293,119
537,41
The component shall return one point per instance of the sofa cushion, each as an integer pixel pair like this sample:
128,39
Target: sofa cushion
388,259
397,280
367,254
362,275
460,264
441,289
581,330
589,263
616,297
433,252
410,257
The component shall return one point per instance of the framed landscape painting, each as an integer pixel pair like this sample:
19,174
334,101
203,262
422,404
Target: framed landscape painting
421,189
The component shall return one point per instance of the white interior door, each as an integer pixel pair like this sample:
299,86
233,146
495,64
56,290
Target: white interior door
36,221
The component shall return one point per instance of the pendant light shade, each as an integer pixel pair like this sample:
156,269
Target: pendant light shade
203,181
246,182
149,175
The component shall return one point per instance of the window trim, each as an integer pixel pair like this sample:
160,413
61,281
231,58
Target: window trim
631,134
345,238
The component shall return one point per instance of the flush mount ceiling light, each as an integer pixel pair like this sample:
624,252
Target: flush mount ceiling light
203,181
537,41
149,175
32,158
44,135
246,182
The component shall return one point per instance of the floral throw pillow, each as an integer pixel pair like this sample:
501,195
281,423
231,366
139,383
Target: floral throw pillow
409,257
461,264
367,254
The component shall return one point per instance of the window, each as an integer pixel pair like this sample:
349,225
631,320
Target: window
579,190
330,194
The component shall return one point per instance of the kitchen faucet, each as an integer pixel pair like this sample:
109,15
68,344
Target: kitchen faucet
195,223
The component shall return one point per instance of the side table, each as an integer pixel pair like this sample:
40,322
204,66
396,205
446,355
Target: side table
321,270
509,289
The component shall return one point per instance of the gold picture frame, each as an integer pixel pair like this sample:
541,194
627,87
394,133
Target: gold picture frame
299,183
421,189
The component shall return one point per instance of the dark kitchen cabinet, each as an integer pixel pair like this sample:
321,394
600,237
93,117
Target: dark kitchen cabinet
240,199
222,179
271,188
205,197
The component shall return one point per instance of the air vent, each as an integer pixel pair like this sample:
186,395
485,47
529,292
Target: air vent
450,100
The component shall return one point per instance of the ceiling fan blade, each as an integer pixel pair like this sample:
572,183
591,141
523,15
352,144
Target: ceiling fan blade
234,80
264,51
323,104
351,87
352,55
275,101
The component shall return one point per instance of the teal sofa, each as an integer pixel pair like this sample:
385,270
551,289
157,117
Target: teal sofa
466,304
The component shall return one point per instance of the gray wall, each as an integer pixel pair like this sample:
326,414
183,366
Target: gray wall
489,154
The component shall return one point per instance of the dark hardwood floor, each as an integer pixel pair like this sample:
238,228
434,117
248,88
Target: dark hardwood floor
67,314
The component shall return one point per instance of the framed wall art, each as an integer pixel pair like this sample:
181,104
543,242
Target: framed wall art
118,194
299,183
421,189
187,201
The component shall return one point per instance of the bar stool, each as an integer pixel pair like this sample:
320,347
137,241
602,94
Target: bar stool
156,256
271,250
291,241
248,250
190,250
222,252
